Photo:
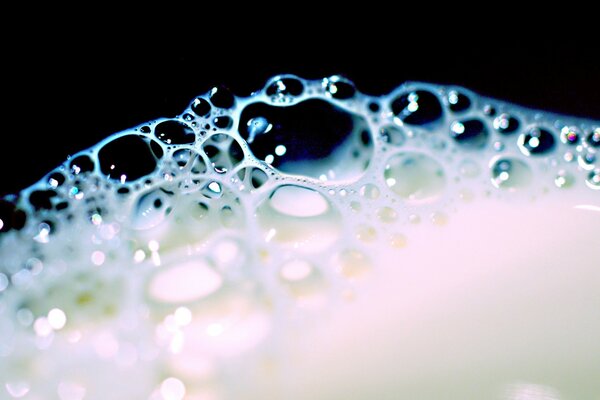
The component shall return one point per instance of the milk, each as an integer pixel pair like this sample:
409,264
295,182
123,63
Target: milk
311,241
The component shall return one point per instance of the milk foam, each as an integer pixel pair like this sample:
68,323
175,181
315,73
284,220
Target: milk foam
310,241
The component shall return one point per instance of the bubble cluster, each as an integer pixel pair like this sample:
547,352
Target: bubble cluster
174,247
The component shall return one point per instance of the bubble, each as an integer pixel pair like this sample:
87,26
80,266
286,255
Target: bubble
250,178
353,263
586,160
458,102
42,199
222,97
564,179
117,160
593,179
537,141
81,164
370,191
387,215
506,124
316,135
398,240
510,173
151,209
339,87
570,135
284,86
366,233
418,107
469,133
11,217
299,218
174,132
56,179
392,134
439,218
184,282
593,138
415,177
301,278
223,152
201,107
223,122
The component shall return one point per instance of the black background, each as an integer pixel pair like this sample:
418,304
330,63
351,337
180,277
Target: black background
66,91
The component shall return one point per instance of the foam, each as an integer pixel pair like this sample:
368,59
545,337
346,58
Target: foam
247,247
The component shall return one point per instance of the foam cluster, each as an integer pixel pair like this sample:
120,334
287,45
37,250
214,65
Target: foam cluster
172,259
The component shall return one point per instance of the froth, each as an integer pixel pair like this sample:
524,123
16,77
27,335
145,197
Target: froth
193,252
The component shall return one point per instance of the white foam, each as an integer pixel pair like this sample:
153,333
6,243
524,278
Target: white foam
410,259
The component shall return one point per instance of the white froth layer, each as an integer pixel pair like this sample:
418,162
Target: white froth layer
437,259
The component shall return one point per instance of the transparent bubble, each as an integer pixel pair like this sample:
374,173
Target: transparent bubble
415,177
537,141
593,179
510,173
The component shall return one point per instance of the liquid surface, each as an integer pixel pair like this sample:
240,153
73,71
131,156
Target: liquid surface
311,241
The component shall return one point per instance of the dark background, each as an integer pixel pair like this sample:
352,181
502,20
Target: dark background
66,91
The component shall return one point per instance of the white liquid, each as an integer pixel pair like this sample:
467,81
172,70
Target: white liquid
422,267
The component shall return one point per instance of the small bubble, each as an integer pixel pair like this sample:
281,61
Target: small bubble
174,132
587,160
593,139
418,107
569,135
414,219
82,164
563,179
470,133
458,102
339,87
353,263
398,241
510,173
593,179
505,124
366,233
439,218
415,177
223,122
222,97
392,134
489,110
284,86
568,156
387,214
537,141
370,191
200,107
